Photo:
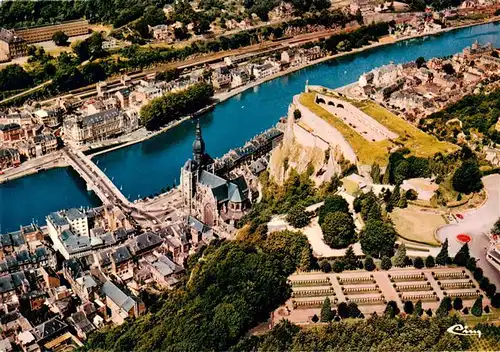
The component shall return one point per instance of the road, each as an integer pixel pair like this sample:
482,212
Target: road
148,214
477,223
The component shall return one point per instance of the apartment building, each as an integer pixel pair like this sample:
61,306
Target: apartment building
45,33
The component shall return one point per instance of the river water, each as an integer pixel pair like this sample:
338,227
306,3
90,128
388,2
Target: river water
147,167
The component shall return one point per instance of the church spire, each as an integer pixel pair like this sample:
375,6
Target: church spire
198,145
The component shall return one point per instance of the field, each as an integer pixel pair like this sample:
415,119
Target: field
417,225
419,143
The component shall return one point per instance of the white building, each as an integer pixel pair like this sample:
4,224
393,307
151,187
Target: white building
265,70
69,232
99,126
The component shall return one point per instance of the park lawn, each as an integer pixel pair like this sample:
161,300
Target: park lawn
367,152
417,226
420,143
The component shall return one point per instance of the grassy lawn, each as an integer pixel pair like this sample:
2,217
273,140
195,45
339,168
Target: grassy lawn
415,225
419,143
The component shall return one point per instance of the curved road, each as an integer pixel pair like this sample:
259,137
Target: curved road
476,223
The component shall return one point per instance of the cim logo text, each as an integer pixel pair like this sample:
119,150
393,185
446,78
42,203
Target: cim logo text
459,329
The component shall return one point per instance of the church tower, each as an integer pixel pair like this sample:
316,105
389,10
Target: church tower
198,146
190,172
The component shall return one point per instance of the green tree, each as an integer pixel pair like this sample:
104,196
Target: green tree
495,300
338,265
332,204
496,228
305,259
391,309
369,264
298,216
477,307
418,263
386,263
444,307
429,262
359,16
467,178
462,256
286,246
172,106
401,172
338,230
418,308
60,38
400,256
350,260
343,310
353,309
378,238
326,311
95,44
471,264
81,49
386,179
154,16
297,114
403,203
408,307
420,61
280,338
442,256
375,173
394,199
457,304
325,266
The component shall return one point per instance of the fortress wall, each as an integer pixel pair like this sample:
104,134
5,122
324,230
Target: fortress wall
309,139
326,131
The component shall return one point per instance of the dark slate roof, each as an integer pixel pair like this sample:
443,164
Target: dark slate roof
9,127
146,241
57,219
223,190
75,267
80,321
23,257
74,214
120,234
41,253
49,328
11,281
43,138
211,180
100,117
197,225
6,284
121,254
117,296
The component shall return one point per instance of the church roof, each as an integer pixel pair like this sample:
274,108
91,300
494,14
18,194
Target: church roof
211,180
224,190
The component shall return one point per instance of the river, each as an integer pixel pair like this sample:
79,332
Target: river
147,167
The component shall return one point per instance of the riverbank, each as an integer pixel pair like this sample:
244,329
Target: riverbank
34,166
142,134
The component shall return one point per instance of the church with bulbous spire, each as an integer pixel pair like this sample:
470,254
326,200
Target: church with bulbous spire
207,196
